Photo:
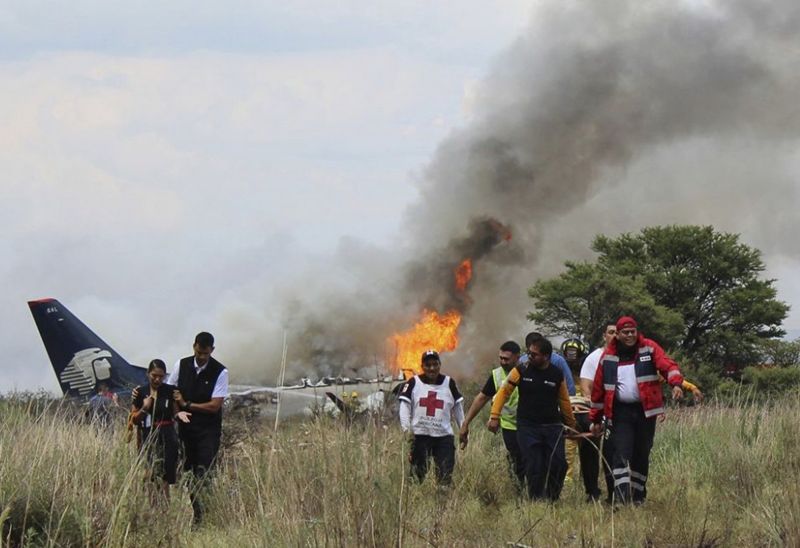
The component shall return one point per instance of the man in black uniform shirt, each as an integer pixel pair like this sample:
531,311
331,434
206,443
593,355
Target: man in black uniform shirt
202,388
542,410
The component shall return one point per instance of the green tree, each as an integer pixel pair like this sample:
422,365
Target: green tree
780,353
689,287
584,299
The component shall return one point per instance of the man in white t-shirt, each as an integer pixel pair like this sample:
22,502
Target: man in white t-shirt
591,362
590,459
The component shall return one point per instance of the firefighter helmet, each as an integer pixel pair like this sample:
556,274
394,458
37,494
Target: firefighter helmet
573,348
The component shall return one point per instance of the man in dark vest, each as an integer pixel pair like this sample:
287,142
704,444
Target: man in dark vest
627,393
202,388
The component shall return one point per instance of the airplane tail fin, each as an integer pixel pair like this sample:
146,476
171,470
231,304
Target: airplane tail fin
336,401
81,359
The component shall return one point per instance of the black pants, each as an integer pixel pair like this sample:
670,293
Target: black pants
591,461
160,446
515,461
443,452
200,447
542,449
632,436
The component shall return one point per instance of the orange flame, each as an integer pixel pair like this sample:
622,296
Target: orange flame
431,332
463,274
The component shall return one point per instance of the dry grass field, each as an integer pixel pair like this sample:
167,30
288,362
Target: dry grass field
720,476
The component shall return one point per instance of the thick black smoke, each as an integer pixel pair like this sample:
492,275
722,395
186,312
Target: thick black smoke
431,282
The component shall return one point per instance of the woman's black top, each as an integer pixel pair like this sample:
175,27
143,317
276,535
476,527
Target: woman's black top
163,406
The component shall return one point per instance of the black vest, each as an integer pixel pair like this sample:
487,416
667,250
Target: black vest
645,368
198,389
539,392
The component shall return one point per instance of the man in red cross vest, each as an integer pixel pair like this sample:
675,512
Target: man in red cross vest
428,404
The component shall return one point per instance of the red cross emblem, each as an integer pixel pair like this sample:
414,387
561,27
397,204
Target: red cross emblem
431,403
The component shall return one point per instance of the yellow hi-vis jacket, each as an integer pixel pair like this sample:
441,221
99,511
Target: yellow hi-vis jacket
508,417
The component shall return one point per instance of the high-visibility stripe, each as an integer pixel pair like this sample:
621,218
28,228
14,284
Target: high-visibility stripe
618,471
636,486
598,405
622,481
610,365
651,412
647,378
638,476
672,373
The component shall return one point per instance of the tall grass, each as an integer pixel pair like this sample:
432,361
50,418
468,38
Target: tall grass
720,476
67,483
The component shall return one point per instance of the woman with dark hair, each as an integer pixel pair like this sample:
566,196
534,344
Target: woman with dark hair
154,410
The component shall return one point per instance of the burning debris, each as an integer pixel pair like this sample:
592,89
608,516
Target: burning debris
463,275
440,331
432,331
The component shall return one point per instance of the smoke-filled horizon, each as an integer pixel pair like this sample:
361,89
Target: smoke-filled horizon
600,118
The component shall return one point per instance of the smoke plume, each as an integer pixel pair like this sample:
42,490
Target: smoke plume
601,117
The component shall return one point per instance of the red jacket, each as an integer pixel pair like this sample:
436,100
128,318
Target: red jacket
650,360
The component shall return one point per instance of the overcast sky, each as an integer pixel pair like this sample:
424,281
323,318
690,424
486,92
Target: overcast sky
161,161
158,156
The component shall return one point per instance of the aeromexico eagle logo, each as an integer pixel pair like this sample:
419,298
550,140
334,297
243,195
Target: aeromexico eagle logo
86,368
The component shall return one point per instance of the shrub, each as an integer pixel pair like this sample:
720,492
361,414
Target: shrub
771,381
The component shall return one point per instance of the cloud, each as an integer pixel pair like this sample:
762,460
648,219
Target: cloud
145,182
464,34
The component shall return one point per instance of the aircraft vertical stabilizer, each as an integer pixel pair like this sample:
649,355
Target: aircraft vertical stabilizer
79,357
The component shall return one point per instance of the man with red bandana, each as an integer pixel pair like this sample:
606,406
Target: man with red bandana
627,393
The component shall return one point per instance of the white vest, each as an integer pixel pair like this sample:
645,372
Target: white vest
431,407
